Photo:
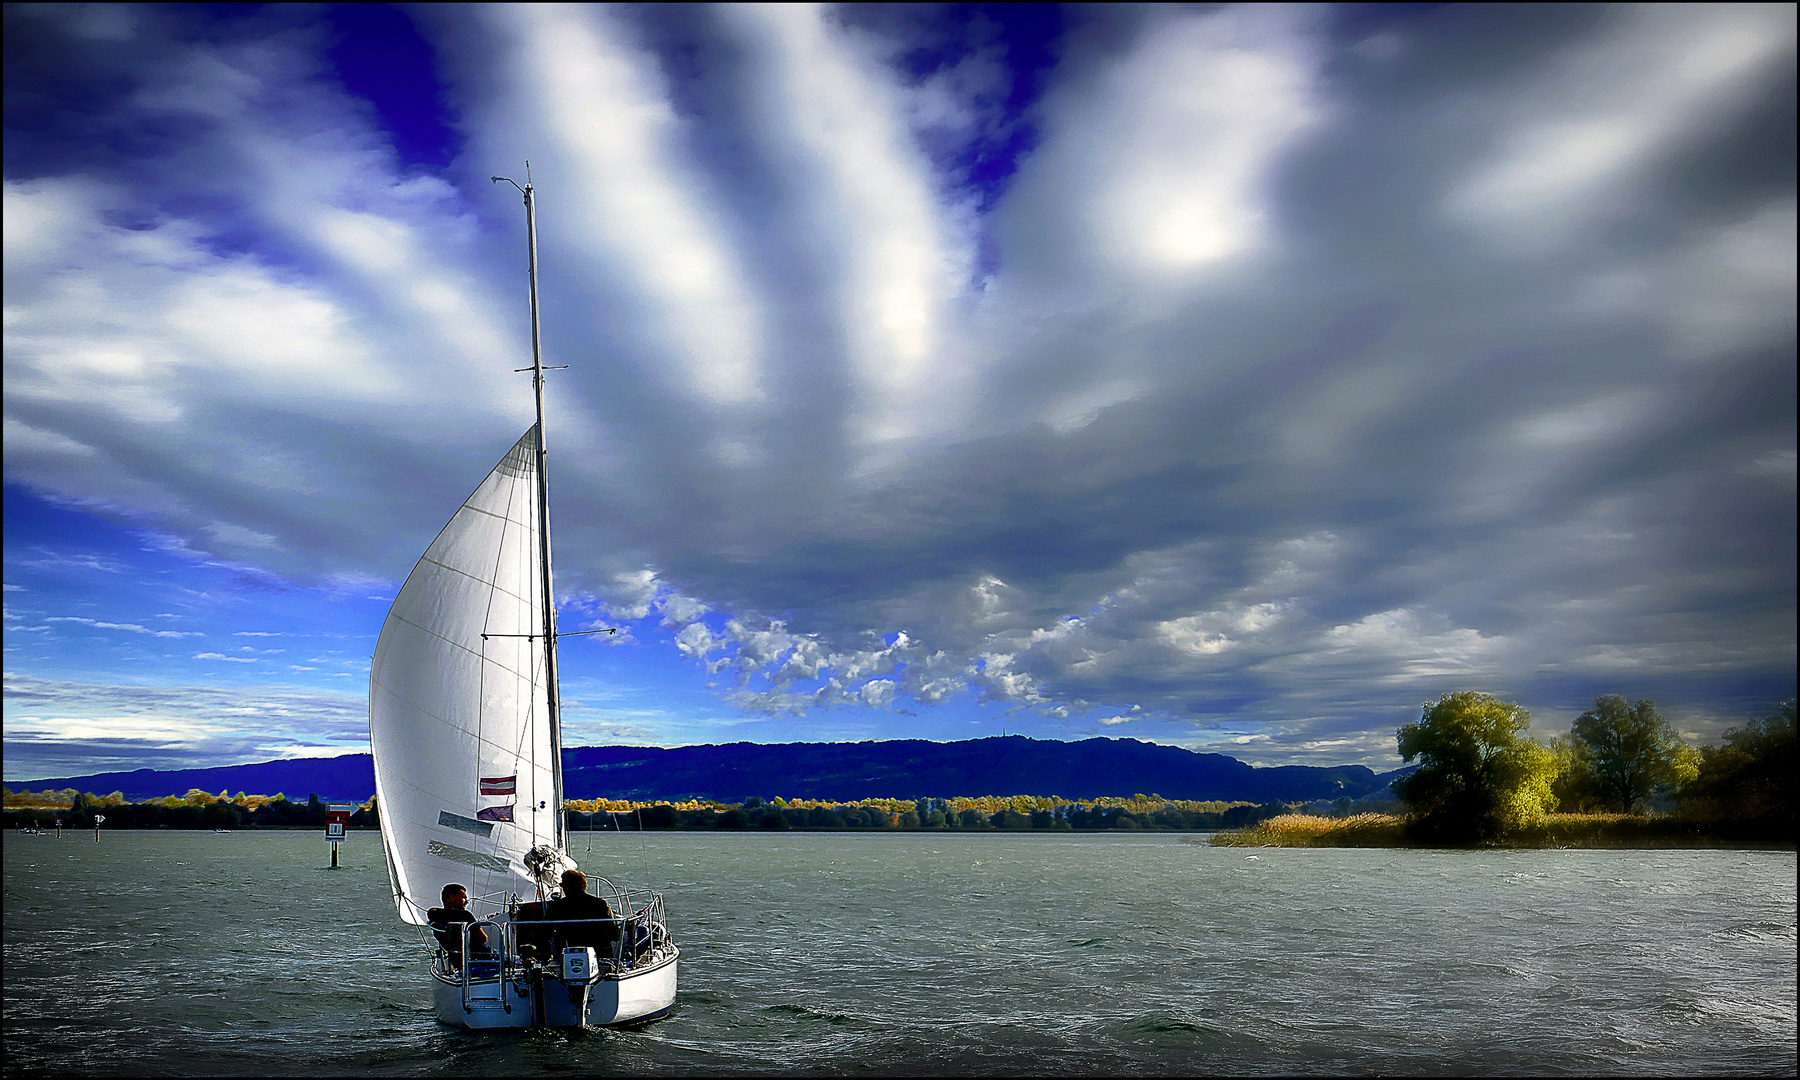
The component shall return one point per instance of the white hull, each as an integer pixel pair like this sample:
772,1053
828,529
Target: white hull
541,999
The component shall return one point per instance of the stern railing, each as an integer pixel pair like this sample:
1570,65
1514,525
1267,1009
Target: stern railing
643,933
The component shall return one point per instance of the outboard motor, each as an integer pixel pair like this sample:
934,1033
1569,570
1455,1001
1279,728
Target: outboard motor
580,967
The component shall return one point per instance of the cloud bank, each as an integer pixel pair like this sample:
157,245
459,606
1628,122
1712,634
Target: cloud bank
1297,369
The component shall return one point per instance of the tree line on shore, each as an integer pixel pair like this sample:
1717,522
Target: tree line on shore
1017,812
203,810
1481,778
195,810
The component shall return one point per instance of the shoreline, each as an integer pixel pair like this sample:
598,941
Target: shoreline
1611,832
1247,838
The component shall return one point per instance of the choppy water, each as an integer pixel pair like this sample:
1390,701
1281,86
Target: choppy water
180,953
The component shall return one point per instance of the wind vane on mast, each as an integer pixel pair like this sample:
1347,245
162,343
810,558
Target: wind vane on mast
531,224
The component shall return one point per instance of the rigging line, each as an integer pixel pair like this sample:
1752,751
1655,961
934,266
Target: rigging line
540,736
523,746
559,633
480,737
529,733
512,495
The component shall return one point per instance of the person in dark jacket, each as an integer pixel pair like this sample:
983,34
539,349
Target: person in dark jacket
575,903
443,922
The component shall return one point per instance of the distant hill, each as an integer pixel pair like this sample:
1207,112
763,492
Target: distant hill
906,769
347,778
912,768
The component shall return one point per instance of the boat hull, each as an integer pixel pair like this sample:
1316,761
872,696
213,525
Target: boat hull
632,997
643,993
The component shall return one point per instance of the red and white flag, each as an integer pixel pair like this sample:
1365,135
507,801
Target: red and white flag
500,785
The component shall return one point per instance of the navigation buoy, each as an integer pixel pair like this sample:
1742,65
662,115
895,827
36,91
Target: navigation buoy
337,819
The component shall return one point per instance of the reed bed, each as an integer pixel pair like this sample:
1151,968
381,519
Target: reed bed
1612,831
1555,831
1306,830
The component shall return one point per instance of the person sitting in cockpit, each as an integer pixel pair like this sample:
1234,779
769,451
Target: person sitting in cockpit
575,903
444,920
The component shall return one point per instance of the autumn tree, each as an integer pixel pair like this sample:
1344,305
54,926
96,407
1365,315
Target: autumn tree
1480,775
1632,752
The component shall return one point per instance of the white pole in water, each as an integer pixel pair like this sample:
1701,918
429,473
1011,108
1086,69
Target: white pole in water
98,818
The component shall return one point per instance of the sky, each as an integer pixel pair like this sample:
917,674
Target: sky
1236,378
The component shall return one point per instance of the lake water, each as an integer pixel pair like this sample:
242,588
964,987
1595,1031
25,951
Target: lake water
185,953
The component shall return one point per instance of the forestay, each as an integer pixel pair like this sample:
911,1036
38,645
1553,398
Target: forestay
459,723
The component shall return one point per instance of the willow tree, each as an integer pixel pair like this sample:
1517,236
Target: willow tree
1631,752
1480,775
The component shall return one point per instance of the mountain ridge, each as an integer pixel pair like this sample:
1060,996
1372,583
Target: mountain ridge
896,768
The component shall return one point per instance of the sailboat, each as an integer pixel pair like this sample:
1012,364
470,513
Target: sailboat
464,730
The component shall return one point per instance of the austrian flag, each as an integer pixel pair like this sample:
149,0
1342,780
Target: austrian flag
503,786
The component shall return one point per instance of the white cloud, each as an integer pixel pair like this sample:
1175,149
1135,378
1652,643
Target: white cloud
1189,126
1206,633
1601,112
1588,422
238,536
60,728
1159,162
154,308
1284,379
133,627
1424,650
1776,463
839,118
696,640
1727,292
623,184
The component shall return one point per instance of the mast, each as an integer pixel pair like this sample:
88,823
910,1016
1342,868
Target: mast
554,697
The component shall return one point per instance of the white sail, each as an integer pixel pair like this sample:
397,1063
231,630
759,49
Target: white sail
450,709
